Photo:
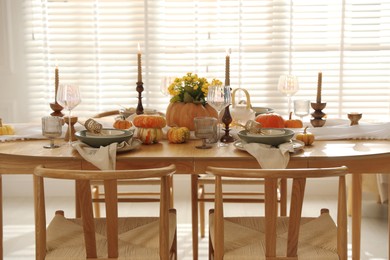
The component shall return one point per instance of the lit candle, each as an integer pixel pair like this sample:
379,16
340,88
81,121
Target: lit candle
139,64
319,87
227,68
56,81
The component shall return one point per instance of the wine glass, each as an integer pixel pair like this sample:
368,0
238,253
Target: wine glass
301,108
205,128
288,85
219,97
68,96
51,128
165,83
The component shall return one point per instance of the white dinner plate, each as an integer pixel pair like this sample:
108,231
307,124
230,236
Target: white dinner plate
297,145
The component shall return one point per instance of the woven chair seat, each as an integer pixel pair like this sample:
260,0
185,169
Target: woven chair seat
138,238
245,238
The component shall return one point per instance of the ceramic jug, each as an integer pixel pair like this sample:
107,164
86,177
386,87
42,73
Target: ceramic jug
241,113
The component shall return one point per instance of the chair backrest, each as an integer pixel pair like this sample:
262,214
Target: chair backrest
271,177
83,187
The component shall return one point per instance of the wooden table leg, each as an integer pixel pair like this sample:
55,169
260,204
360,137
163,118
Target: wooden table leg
194,208
356,215
77,202
388,217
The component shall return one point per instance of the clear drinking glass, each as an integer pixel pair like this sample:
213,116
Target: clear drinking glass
165,83
51,128
68,96
288,85
301,108
205,128
219,97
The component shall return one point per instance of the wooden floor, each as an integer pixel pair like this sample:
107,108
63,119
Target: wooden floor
19,224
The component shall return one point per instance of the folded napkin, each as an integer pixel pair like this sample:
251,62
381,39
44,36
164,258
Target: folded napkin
337,129
270,157
104,157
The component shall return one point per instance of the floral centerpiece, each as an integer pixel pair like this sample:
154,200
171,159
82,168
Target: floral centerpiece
189,100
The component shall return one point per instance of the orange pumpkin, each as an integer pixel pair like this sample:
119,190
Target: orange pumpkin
293,123
270,120
306,137
182,114
149,121
121,123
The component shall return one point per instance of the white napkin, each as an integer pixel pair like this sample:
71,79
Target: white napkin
104,157
270,157
337,130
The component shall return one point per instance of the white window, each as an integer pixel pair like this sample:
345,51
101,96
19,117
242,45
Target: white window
94,43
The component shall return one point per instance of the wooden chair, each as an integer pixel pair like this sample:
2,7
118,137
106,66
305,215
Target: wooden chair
150,193
206,193
273,237
111,237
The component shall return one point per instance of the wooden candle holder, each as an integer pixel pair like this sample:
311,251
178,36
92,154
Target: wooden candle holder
227,120
140,108
57,108
318,115
73,121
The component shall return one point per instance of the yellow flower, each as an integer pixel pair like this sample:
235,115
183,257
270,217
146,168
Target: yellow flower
189,88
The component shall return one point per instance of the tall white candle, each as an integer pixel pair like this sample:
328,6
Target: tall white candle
139,64
319,87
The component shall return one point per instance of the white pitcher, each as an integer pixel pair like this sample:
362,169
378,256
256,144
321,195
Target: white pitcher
241,113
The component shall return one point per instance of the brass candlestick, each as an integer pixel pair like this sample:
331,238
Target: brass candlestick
140,88
318,120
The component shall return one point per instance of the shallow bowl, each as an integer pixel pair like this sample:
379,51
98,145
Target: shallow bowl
106,137
272,136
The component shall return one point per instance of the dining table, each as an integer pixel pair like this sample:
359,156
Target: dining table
360,156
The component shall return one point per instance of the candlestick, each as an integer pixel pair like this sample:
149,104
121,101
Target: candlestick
227,68
319,85
227,117
139,64
57,108
56,82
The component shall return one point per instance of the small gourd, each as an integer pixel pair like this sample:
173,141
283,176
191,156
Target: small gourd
149,128
6,129
293,123
149,121
122,123
306,137
150,135
178,135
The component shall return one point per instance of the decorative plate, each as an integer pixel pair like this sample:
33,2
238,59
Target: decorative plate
106,137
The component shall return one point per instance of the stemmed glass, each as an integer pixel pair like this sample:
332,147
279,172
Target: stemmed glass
288,85
301,108
51,128
219,97
205,128
68,96
165,83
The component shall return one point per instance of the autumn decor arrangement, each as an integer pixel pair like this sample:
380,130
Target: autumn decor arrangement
188,101
122,123
149,128
178,135
293,123
6,129
270,120
306,137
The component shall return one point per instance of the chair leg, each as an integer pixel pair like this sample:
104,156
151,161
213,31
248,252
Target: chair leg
202,212
349,201
96,204
170,180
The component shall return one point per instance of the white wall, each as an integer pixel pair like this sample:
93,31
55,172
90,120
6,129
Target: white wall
13,87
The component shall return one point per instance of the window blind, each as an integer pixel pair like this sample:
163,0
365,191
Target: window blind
94,44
